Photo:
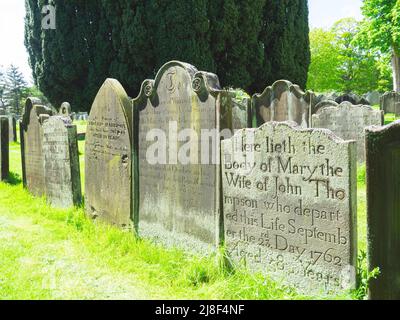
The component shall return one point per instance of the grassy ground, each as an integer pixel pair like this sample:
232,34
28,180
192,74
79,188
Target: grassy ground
60,254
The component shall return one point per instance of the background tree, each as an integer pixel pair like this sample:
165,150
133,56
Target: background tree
249,44
2,88
14,89
381,30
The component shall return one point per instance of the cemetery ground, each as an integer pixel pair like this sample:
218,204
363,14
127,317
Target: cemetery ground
48,253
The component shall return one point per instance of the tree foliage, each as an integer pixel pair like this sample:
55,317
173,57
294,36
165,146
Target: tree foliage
249,44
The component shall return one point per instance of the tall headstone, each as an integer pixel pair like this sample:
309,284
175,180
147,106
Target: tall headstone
181,115
108,157
348,122
61,162
12,128
390,103
4,148
383,209
289,199
31,134
283,101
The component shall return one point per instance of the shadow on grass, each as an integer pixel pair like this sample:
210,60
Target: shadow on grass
14,179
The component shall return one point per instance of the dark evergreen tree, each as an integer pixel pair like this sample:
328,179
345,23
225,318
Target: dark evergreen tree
249,44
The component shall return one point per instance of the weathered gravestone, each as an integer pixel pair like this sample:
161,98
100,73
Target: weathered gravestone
289,197
383,209
12,129
31,136
352,98
282,101
61,162
4,148
348,122
373,98
181,115
65,109
108,157
390,103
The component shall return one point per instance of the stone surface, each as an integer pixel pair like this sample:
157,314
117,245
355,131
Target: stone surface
31,136
289,198
390,103
65,109
108,157
373,98
352,98
348,122
12,127
179,203
383,209
282,101
61,162
4,148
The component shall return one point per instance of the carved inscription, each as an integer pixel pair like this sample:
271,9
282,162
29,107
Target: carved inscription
289,204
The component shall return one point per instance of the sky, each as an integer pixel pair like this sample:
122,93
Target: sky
323,13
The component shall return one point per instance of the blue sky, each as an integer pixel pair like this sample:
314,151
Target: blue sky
323,13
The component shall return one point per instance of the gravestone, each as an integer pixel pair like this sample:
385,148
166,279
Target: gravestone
390,103
348,122
108,157
4,148
373,98
65,109
352,98
61,162
12,128
31,136
181,115
289,199
282,101
383,209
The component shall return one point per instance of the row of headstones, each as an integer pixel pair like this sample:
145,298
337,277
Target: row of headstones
280,197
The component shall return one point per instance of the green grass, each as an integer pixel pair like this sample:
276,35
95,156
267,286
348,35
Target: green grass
60,254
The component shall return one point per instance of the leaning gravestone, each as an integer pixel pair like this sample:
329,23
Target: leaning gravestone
348,122
383,209
31,134
289,199
61,162
108,157
4,148
390,103
282,101
181,115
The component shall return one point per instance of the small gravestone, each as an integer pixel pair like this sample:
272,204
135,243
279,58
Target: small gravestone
373,98
282,101
181,115
61,162
352,98
4,148
383,209
108,157
12,128
289,199
65,109
31,133
390,103
348,122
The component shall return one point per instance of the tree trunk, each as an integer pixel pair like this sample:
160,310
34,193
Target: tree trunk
396,71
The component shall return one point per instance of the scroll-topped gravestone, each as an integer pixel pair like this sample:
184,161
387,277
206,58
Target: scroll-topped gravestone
383,209
61,162
181,114
283,101
4,148
390,103
348,122
289,199
31,145
108,157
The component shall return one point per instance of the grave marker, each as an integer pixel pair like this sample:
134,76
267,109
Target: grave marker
289,197
61,162
4,148
390,103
